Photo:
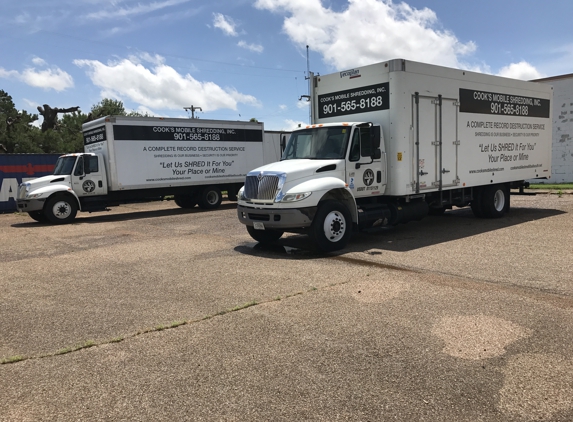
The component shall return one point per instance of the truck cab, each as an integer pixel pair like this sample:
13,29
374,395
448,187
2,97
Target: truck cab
329,181
58,197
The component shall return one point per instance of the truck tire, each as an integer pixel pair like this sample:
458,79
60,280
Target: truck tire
476,203
38,216
61,209
185,201
495,201
232,194
264,236
332,226
437,211
210,198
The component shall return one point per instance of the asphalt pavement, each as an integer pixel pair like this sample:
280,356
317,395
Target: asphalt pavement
150,312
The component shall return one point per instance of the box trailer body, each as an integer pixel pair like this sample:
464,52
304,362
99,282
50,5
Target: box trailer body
135,159
411,139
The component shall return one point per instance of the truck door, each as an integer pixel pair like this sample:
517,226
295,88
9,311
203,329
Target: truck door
366,176
88,177
436,140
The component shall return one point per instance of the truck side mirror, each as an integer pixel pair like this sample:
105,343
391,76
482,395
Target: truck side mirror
87,169
375,137
375,142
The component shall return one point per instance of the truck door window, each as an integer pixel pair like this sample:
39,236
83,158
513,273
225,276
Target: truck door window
92,164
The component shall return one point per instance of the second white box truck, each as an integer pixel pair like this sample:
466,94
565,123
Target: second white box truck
135,159
394,141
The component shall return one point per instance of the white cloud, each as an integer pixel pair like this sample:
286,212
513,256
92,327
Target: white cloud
369,31
51,78
121,12
293,124
303,104
38,61
257,48
521,70
225,24
158,86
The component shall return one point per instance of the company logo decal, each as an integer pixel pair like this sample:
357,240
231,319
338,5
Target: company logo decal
368,177
354,73
88,186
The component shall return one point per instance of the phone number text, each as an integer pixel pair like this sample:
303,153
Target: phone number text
353,105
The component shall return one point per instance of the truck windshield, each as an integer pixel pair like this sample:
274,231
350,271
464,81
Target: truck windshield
64,165
317,143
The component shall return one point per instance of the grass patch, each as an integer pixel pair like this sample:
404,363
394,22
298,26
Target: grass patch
552,186
177,324
13,359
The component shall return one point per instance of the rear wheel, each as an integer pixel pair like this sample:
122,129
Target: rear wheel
61,209
476,203
332,226
495,201
264,236
210,198
185,201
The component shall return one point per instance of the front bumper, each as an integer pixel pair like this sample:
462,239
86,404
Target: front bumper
30,205
283,219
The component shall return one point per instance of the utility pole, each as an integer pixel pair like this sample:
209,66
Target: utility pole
309,76
192,108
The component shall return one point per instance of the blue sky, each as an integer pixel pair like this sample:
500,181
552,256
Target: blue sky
243,59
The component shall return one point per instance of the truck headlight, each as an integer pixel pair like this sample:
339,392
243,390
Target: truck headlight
241,193
34,195
293,197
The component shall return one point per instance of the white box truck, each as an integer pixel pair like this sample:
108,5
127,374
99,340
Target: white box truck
394,141
136,159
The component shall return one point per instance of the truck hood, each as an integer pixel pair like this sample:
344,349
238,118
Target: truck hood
43,186
46,180
297,169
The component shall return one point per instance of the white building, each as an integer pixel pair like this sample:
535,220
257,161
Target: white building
562,158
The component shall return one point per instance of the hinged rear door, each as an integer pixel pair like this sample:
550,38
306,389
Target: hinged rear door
436,144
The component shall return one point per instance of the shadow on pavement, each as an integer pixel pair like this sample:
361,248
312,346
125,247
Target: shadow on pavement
101,217
453,225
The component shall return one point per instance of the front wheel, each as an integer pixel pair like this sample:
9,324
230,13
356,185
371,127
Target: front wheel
210,198
264,236
61,209
332,226
38,216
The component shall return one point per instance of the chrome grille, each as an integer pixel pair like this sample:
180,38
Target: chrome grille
261,187
21,191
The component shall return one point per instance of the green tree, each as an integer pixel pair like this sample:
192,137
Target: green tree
107,107
16,132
